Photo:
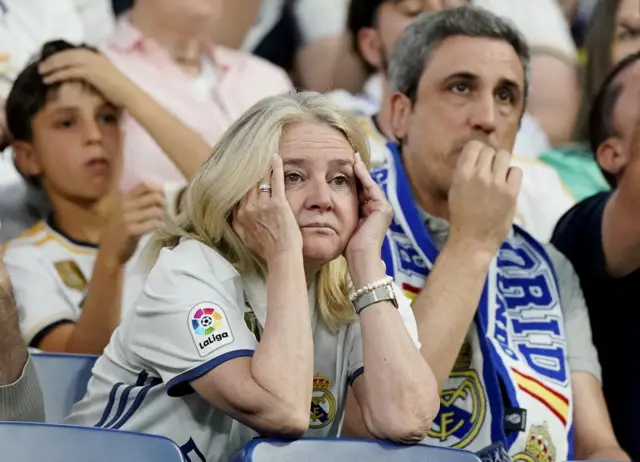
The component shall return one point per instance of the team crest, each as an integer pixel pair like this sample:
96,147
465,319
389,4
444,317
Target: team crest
538,447
70,273
463,406
323,404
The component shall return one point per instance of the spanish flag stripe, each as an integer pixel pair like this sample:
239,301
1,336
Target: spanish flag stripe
536,381
409,288
548,406
556,403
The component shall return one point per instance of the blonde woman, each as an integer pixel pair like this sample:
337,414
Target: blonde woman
268,298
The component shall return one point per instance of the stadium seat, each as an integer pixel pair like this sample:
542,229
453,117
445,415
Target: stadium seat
28,442
353,450
64,381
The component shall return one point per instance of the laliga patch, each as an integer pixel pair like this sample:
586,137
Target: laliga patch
209,328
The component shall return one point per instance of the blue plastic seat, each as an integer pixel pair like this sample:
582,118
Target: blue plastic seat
28,442
345,449
64,381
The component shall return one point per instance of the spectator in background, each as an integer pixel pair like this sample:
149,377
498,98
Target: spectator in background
24,27
20,393
613,34
376,25
555,95
63,113
601,238
502,334
164,46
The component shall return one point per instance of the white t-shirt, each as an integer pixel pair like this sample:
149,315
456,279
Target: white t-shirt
50,274
542,23
25,25
543,197
195,313
97,18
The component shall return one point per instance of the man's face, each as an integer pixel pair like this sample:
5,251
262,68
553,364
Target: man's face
76,149
471,89
393,16
618,151
626,110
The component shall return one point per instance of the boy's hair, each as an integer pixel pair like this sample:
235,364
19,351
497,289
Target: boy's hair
29,94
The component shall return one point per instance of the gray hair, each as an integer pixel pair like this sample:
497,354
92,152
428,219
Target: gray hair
414,48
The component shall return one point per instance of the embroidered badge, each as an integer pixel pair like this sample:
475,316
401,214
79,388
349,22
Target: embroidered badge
323,403
538,447
209,328
463,408
70,273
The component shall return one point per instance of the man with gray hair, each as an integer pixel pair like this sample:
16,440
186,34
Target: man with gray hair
375,26
504,325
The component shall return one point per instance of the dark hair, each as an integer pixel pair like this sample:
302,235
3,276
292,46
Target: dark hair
29,93
597,46
601,124
362,14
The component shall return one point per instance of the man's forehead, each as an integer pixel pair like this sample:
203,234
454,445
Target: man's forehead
483,57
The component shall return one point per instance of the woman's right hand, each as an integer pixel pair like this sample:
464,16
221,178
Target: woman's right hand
265,222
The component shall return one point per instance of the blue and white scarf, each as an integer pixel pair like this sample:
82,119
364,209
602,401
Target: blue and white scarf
511,383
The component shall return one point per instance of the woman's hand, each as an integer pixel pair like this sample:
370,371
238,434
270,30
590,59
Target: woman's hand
264,220
364,247
92,68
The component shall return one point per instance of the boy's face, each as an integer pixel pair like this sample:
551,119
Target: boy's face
76,149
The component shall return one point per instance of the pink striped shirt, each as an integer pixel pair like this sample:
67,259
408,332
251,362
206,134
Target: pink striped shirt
235,82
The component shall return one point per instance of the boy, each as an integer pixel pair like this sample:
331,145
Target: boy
69,271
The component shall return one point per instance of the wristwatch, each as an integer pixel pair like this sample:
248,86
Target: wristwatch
380,294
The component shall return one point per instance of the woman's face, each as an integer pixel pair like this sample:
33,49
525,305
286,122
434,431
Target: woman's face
626,35
321,188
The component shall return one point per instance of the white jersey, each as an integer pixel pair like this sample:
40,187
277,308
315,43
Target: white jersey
196,312
50,274
543,197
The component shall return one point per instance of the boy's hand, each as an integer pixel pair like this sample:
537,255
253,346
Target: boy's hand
90,67
140,212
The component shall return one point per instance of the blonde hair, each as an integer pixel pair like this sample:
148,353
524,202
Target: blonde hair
239,161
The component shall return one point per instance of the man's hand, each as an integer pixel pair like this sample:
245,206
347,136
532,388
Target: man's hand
139,212
483,196
90,67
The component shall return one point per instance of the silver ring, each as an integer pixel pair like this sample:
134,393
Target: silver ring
264,187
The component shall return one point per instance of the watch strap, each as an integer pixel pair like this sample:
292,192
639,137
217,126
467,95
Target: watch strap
379,294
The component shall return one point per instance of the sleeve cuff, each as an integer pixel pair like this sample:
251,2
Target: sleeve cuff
42,333
180,385
22,400
357,373
586,366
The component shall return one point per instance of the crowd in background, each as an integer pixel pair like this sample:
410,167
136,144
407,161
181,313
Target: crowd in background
86,176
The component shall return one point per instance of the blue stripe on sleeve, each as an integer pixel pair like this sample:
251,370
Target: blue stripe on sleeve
179,385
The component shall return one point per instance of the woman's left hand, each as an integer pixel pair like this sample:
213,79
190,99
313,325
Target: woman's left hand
375,217
91,67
